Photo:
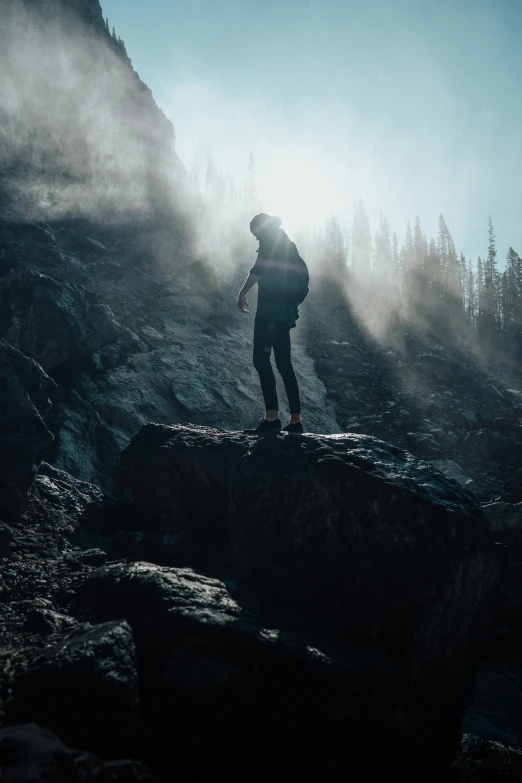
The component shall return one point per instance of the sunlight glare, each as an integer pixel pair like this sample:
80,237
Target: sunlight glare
301,184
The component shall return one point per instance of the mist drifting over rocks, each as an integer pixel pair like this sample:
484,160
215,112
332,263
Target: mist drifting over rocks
208,578
80,133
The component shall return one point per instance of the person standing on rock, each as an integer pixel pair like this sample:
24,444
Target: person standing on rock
282,278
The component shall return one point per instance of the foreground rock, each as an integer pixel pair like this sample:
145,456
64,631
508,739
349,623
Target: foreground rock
29,753
207,653
85,688
355,533
24,438
206,663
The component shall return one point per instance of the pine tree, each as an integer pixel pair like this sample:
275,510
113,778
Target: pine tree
335,248
396,263
471,294
383,265
361,242
214,185
409,251
512,295
107,25
481,296
409,281
433,297
490,320
420,246
449,264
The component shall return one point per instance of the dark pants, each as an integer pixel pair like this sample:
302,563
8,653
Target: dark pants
275,334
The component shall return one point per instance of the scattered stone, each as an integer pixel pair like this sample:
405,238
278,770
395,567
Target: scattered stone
61,489
439,368
422,444
474,488
504,516
97,243
94,557
452,470
465,420
488,445
46,622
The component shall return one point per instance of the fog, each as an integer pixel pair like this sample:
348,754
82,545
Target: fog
81,136
79,133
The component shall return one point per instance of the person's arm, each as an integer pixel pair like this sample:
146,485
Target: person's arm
247,285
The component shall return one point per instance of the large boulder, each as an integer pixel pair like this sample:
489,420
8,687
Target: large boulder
51,320
351,531
206,662
85,687
207,653
24,438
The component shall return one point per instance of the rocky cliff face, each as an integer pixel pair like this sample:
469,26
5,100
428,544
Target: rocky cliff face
334,585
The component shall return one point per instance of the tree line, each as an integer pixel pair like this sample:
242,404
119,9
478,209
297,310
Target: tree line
428,278
425,280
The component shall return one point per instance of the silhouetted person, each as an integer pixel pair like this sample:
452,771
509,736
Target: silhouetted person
283,284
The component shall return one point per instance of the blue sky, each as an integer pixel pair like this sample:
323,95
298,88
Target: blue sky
413,105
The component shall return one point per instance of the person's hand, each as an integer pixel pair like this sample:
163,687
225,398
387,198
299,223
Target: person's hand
242,303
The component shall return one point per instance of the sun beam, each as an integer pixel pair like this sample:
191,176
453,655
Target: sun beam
301,184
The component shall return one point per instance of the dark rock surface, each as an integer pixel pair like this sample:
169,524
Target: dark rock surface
24,438
64,687
200,649
482,761
504,516
32,754
51,320
334,519
419,391
322,601
62,489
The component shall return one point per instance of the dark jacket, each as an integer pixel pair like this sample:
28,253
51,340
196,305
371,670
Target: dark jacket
284,278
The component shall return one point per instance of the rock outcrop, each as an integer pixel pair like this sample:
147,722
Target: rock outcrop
24,438
349,531
53,321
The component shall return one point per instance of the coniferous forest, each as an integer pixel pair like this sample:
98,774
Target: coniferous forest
424,280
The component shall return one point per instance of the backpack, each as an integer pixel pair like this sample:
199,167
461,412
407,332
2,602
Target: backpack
297,278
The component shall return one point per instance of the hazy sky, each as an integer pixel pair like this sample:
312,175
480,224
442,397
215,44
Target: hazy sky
413,105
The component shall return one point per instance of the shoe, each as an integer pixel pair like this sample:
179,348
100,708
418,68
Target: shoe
265,426
295,428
